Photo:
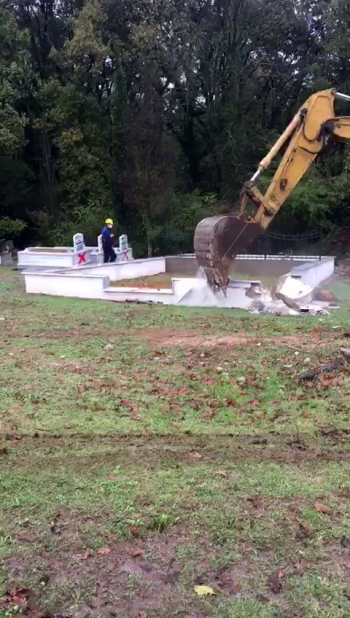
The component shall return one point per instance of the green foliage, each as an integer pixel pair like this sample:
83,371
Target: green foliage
144,111
309,205
87,219
10,227
181,217
13,70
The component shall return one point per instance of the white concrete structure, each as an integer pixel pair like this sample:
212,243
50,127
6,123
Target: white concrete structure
185,291
56,257
68,257
123,252
97,253
94,282
118,271
39,258
313,272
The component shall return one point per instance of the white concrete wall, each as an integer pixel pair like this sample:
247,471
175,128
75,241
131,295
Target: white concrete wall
186,292
125,270
144,295
194,292
93,282
313,273
62,284
40,259
58,260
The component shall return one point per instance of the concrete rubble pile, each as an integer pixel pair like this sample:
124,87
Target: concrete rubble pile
289,297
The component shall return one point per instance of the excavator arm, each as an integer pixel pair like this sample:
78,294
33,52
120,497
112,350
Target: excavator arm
217,240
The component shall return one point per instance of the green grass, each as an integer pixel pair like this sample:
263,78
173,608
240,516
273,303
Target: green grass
181,442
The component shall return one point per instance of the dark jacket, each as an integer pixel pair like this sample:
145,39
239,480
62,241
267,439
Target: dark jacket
107,240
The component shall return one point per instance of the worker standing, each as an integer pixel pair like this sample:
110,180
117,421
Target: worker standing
109,255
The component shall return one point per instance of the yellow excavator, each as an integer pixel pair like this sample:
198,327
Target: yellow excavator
219,239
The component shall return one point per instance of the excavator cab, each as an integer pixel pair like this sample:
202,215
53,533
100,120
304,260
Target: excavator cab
219,239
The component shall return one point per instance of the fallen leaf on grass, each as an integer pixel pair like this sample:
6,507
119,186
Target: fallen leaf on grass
275,581
322,508
171,577
135,551
345,542
134,531
304,529
253,402
203,591
220,473
299,568
17,596
55,529
103,551
196,455
254,502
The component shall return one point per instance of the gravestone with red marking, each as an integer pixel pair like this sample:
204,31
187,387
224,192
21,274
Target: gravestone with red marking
82,256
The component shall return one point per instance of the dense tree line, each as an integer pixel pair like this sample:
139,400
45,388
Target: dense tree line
155,112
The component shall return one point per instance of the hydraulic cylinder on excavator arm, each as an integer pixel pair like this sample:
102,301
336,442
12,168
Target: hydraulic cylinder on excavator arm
219,239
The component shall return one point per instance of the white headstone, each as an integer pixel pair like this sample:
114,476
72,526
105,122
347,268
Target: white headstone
78,242
123,243
99,244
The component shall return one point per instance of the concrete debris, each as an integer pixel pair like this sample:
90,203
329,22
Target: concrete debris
292,290
289,297
255,291
313,310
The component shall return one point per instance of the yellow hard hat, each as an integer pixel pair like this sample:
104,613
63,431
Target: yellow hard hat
109,222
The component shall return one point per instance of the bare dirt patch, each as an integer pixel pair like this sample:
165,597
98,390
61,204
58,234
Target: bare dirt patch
109,577
172,450
184,338
169,337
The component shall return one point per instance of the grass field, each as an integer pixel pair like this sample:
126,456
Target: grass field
147,450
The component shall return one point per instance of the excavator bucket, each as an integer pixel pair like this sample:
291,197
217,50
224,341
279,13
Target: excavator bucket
217,241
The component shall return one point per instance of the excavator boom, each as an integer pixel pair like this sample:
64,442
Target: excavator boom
218,240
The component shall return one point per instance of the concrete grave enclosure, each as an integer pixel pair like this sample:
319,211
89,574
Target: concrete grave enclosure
43,258
94,280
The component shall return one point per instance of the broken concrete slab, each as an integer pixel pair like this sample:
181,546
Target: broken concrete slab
290,296
293,289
